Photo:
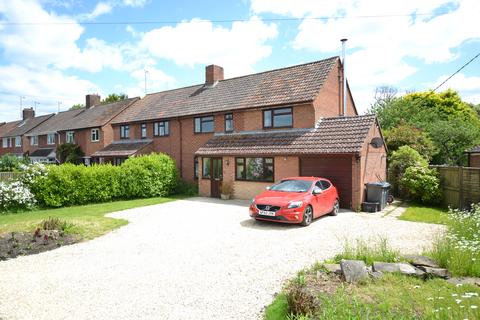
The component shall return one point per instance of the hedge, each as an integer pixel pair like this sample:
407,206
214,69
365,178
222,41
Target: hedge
138,177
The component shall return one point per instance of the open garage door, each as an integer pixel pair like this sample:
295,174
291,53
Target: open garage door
337,169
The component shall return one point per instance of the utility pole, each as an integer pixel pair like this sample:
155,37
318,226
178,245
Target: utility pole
146,71
35,104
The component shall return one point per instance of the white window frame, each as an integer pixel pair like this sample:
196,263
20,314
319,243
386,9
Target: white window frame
51,140
95,135
18,141
125,132
70,137
34,140
5,142
161,128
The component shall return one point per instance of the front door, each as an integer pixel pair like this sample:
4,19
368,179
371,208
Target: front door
216,177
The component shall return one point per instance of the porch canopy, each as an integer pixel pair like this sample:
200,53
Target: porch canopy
123,148
43,153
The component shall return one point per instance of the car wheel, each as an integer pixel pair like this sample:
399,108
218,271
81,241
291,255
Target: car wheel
336,208
307,216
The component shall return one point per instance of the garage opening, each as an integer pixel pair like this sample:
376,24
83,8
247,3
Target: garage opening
337,169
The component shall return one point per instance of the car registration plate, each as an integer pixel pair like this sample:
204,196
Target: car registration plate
266,213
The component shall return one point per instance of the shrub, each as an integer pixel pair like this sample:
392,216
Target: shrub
70,153
422,184
400,160
148,176
408,135
186,188
302,300
9,163
53,223
15,196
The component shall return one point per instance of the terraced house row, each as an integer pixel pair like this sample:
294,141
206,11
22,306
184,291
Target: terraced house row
246,131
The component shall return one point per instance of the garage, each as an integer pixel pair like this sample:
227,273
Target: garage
337,169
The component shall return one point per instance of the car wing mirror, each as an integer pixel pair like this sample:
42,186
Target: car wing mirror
316,191
268,188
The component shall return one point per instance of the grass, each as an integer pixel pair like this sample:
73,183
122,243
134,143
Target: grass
368,251
420,213
88,221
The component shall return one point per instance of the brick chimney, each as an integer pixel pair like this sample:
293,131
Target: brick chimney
28,113
213,73
92,100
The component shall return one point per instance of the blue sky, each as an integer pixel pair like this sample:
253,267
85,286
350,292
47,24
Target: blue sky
56,51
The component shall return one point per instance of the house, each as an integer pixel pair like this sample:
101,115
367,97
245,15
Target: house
13,134
91,128
473,157
253,130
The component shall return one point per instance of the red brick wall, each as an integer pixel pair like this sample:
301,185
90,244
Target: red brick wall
475,160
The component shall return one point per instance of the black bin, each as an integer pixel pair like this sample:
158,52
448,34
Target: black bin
378,192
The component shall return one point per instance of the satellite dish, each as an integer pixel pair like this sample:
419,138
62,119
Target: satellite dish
377,142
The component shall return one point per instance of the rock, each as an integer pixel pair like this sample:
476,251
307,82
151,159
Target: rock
403,268
376,274
435,272
464,280
333,268
423,261
420,273
353,270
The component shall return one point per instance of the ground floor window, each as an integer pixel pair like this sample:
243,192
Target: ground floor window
195,168
206,167
254,169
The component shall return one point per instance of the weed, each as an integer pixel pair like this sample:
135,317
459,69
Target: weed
368,251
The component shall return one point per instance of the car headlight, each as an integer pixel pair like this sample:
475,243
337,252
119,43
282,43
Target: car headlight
253,201
295,204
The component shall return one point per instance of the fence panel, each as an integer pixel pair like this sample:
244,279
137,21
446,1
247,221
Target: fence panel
460,185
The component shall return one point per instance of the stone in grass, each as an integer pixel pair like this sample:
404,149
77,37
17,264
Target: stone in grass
435,272
464,280
333,268
420,273
403,268
375,274
423,261
353,270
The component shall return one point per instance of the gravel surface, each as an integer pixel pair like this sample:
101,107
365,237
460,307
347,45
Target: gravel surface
191,259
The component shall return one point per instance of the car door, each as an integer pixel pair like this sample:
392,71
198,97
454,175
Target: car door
318,201
329,195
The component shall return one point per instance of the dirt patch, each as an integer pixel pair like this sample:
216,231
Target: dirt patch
17,244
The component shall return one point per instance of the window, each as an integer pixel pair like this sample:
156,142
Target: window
325,184
18,141
278,118
95,135
204,124
229,122
206,162
5,142
125,132
195,168
70,137
34,140
143,130
161,129
51,138
254,169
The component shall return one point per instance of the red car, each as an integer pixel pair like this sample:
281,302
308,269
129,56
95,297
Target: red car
296,200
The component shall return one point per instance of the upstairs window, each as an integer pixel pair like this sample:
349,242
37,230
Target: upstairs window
143,130
18,141
70,137
125,132
161,129
34,140
278,118
51,138
204,124
95,135
229,122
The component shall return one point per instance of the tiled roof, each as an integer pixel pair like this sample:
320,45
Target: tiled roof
7,127
55,123
299,83
122,148
21,127
338,135
96,116
474,150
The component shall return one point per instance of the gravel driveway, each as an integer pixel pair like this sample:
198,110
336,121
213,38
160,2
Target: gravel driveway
191,259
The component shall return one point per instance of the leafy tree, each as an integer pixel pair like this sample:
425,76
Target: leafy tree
70,152
400,160
9,163
422,184
114,97
408,135
77,106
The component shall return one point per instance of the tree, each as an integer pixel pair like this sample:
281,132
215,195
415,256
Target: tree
114,97
400,160
77,106
408,135
70,152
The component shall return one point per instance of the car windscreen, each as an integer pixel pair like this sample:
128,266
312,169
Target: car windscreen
292,186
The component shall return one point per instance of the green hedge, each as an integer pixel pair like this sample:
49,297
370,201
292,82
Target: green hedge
138,177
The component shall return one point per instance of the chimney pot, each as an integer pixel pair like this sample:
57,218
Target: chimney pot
92,100
213,73
28,113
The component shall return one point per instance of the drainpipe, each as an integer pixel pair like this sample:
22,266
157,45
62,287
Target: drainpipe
344,78
181,147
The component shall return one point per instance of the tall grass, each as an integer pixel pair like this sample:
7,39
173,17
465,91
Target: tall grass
374,249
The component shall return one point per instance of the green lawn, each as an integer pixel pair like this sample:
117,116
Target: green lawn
89,220
420,213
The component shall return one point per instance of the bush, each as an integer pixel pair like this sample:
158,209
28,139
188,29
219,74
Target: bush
400,160
422,184
70,153
15,196
186,188
10,163
153,175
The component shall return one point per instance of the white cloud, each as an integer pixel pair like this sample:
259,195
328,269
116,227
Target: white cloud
135,3
467,86
193,42
157,80
100,9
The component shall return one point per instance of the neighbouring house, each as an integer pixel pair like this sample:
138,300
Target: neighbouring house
44,139
253,130
13,134
91,128
473,157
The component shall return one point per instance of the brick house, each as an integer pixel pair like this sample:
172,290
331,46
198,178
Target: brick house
13,134
473,157
253,130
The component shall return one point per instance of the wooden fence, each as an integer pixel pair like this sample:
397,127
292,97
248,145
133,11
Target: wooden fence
460,186
8,176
